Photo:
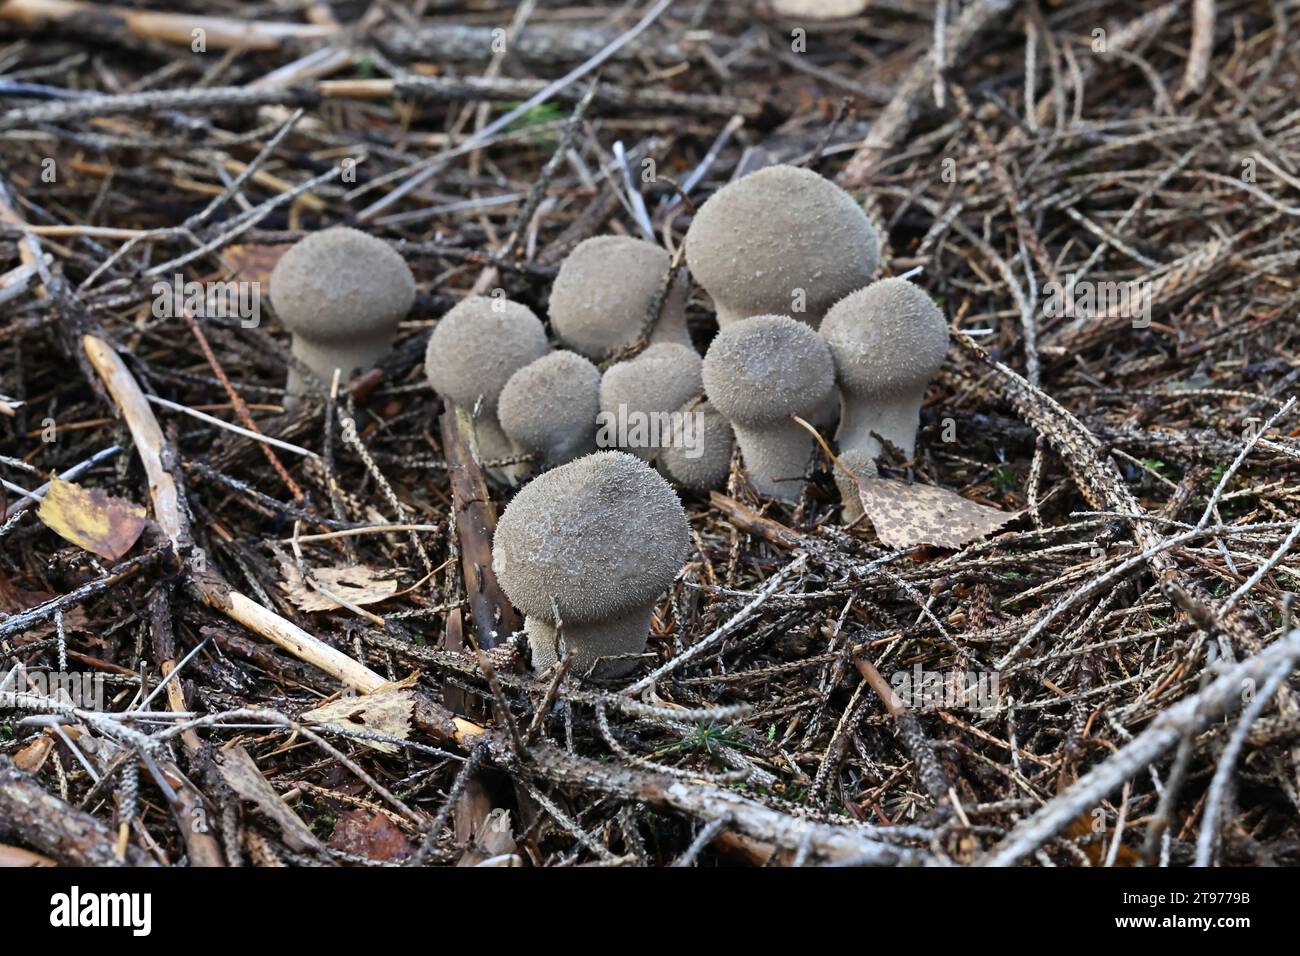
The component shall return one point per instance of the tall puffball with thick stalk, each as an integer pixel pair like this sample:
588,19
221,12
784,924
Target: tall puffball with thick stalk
584,551
605,295
887,340
760,373
342,294
474,350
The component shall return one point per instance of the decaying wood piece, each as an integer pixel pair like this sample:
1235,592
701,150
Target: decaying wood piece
41,820
211,589
828,841
476,520
220,33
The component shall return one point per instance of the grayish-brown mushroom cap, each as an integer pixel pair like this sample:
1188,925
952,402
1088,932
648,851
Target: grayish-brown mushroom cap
761,370
342,294
658,382
478,345
600,537
702,461
759,373
779,238
549,407
888,339
605,291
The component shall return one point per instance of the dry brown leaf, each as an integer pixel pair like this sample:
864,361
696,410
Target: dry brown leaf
373,836
386,710
91,519
242,776
355,585
906,515
253,263
32,757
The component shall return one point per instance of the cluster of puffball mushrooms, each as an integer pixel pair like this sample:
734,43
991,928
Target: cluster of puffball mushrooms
586,547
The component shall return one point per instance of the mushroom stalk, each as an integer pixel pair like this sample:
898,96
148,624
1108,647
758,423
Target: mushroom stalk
894,419
776,457
604,649
324,357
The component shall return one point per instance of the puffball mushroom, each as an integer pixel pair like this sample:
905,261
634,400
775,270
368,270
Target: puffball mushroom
595,541
887,340
640,397
780,238
758,373
341,293
549,407
473,351
713,440
604,292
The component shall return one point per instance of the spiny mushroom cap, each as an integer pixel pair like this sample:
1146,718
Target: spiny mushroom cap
552,403
603,535
710,468
604,291
762,370
663,378
888,339
781,228
478,345
339,284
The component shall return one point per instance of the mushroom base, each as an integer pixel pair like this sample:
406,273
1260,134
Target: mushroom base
850,499
493,443
323,359
600,650
670,326
896,421
776,457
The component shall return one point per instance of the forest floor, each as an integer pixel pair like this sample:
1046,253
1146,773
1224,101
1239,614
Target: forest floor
1111,673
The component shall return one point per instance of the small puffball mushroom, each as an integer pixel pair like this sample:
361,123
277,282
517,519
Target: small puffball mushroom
639,398
604,292
702,462
341,293
777,240
596,541
473,351
888,340
758,373
549,408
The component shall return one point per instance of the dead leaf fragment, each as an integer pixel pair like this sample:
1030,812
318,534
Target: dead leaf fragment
355,585
91,519
254,263
386,710
242,776
906,515
374,836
